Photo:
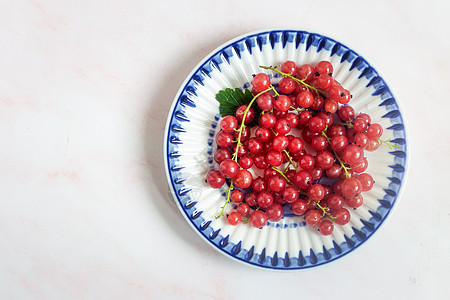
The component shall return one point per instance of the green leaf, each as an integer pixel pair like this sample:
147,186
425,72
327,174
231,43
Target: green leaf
230,99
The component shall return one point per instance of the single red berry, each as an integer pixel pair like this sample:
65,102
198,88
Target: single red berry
274,158
313,217
260,161
324,67
352,154
250,199
222,154
330,106
366,181
324,81
265,101
305,99
346,113
360,166
324,159
305,72
306,162
254,145
276,183
303,179
339,142
267,120
355,201
345,97
335,92
264,199
282,103
335,201
261,82
234,218
316,124
243,179
342,216
290,194
224,139
249,116
246,162
282,126
236,196
259,185
289,67
319,142
243,209
263,134
318,103
304,117
280,143
229,123
295,145
229,168
316,173
292,119
299,207
316,192
374,131
334,171
275,212
258,219
215,179
287,85
351,187
326,227
372,144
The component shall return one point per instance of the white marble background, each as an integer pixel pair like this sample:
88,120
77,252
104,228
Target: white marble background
85,88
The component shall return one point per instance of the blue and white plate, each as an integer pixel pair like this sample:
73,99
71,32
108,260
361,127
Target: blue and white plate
189,146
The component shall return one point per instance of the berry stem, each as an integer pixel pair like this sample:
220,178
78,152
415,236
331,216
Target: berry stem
349,124
324,212
302,81
291,162
389,144
230,188
241,128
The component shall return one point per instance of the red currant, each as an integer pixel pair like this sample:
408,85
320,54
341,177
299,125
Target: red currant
258,219
275,212
243,179
261,82
313,217
228,123
234,218
215,179
265,101
326,227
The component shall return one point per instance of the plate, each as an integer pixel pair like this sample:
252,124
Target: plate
189,147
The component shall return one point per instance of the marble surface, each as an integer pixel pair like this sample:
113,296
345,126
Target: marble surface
85,89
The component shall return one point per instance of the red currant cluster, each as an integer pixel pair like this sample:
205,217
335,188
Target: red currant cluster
307,150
